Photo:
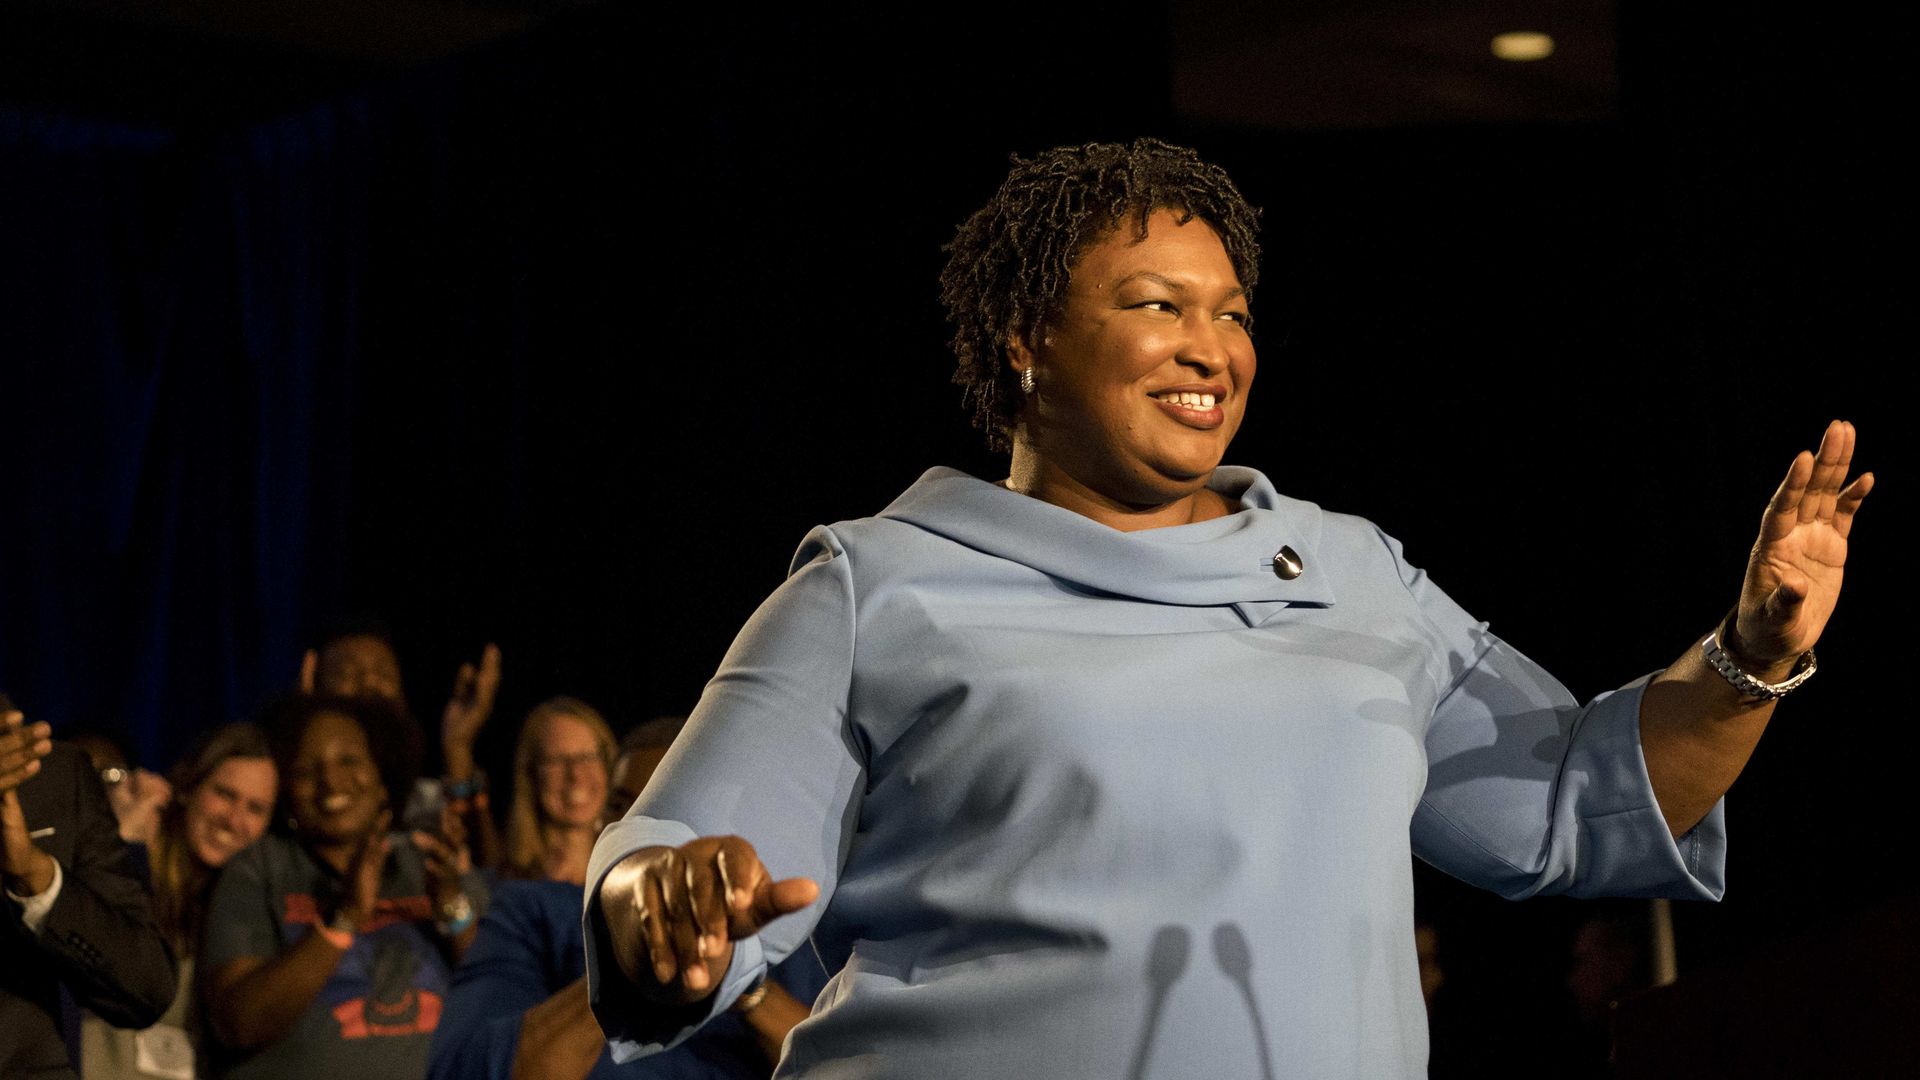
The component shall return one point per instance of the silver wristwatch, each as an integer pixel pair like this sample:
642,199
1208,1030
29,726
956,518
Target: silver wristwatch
1749,687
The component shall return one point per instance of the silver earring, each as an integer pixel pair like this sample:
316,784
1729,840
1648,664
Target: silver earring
1026,379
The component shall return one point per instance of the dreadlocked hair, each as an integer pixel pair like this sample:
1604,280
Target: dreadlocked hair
1009,263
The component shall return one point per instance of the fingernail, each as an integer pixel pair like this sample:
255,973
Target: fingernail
737,897
697,978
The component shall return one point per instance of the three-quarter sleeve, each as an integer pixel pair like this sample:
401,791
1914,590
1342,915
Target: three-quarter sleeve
769,755
1528,791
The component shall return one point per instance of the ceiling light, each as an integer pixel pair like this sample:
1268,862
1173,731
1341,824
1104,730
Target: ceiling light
1522,45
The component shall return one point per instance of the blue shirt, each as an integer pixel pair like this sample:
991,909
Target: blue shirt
1088,803
528,949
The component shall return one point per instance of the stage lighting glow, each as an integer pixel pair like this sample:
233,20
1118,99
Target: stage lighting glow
1522,45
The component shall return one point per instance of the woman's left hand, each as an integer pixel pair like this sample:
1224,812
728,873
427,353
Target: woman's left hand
1793,576
445,856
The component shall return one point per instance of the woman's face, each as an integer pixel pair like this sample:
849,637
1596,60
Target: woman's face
228,810
333,787
1142,379
571,774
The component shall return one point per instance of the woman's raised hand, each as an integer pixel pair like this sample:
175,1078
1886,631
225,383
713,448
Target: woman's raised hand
1793,576
363,874
674,913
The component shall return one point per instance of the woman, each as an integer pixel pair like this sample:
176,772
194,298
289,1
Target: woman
560,770
1015,753
330,944
224,792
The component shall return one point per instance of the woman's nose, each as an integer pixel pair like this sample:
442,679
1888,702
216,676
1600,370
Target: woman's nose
1205,347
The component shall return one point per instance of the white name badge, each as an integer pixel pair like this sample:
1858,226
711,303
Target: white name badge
163,1050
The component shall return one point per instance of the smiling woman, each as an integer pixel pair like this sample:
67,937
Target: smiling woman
223,798
330,944
1004,752
560,770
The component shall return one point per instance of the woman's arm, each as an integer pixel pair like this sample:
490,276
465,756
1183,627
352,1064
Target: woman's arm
253,1002
771,1019
1696,730
768,768
559,1038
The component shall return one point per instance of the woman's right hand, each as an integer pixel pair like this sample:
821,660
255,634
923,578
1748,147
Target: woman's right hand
363,874
674,913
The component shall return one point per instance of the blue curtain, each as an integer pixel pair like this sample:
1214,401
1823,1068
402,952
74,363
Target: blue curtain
178,348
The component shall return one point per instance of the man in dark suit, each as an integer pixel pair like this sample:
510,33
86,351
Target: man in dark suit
75,913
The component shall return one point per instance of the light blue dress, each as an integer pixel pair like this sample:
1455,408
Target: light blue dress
1085,803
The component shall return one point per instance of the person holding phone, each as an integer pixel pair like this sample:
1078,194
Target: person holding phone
330,944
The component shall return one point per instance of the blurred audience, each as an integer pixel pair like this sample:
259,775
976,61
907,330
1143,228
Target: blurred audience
357,659
329,944
519,1006
227,785
77,917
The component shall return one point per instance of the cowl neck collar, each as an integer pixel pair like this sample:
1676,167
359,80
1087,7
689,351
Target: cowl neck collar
1228,560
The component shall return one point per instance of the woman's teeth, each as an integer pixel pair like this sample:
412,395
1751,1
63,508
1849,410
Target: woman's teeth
1191,401
333,804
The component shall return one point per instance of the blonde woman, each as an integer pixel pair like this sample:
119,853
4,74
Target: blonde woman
560,770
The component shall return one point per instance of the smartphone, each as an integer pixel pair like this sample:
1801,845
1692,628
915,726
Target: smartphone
424,803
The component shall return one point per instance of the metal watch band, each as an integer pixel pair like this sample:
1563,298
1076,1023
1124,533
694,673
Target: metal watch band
1748,686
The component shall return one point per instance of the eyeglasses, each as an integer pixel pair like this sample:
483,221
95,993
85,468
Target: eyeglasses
561,764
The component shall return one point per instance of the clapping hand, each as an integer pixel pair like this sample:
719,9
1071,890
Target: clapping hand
137,802
1793,576
364,873
468,709
674,913
24,868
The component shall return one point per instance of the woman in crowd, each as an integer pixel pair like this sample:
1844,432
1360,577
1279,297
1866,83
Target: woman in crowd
224,791
519,1005
330,944
1113,767
560,769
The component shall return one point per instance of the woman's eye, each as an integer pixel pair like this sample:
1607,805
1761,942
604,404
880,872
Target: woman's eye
1158,305
1245,320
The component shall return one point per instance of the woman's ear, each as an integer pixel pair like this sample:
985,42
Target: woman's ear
1019,353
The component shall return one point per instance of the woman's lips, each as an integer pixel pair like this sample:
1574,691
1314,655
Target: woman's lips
1195,409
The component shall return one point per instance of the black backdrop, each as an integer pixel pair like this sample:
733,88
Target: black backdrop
564,343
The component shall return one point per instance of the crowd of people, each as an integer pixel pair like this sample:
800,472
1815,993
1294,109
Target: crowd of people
302,895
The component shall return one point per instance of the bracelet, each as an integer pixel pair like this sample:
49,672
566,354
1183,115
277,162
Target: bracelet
1750,688
455,916
464,789
750,1000
340,937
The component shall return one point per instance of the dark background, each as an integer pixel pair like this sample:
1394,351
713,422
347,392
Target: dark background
557,325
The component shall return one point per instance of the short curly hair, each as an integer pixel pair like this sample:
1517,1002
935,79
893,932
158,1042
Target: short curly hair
393,738
1009,263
